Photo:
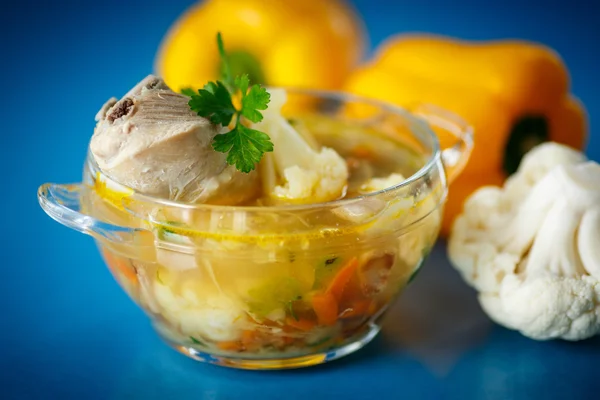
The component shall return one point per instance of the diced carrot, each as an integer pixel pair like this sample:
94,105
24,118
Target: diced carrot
287,340
249,337
230,345
352,163
303,324
251,340
121,265
341,279
362,151
352,292
326,308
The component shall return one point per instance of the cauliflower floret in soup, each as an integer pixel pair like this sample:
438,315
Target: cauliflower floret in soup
296,172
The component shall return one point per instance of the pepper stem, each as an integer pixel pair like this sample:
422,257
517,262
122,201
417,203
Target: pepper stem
241,62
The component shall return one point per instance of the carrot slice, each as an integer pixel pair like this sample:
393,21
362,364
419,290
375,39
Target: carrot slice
362,151
122,266
326,308
341,279
302,324
353,291
249,337
287,340
230,345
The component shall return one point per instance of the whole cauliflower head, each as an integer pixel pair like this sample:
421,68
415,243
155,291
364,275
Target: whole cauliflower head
532,248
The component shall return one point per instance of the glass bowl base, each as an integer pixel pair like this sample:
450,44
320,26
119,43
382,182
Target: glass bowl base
278,363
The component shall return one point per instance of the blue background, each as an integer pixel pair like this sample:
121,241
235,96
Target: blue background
68,331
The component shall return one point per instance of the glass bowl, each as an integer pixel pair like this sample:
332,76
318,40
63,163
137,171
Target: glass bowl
279,286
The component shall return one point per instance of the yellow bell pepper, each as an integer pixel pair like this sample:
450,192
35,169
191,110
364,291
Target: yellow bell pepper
515,94
309,43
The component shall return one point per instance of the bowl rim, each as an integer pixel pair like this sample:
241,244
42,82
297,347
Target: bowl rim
434,160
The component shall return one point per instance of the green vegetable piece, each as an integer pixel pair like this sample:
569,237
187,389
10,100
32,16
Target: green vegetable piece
275,293
196,341
291,311
167,233
325,270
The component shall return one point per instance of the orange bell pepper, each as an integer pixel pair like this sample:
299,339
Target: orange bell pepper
515,94
309,43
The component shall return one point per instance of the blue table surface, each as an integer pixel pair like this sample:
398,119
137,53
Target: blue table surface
68,331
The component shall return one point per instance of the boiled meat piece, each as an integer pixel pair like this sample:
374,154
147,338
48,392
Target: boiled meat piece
152,142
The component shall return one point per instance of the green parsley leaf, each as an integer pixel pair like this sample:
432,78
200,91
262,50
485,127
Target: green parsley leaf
245,146
188,91
257,99
213,87
213,102
242,82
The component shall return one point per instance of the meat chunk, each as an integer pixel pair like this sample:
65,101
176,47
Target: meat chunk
152,142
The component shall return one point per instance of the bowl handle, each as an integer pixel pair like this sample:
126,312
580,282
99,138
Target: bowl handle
455,135
63,204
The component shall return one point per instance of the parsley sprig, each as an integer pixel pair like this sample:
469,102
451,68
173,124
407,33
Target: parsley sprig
244,146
